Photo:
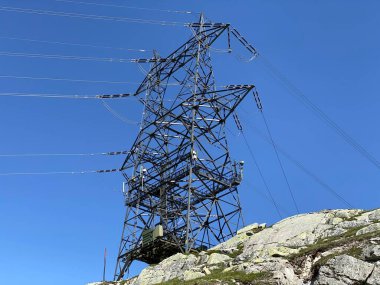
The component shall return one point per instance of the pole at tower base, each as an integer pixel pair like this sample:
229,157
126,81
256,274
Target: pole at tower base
105,264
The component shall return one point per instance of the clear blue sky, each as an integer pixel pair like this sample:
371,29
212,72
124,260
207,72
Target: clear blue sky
53,229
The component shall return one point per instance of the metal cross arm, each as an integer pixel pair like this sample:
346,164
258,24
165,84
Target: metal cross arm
181,56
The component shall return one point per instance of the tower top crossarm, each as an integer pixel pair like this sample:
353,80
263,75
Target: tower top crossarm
202,32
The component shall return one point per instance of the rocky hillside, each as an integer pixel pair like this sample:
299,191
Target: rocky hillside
332,247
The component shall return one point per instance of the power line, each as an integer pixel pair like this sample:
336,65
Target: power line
72,57
78,80
319,113
240,128
92,17
317,179
128,7
49,154
69,79
73,44
64,96
255,188
58,172
75,96
86,80
47,173
261,175
64,154
117,115
306,170
279,161
302,167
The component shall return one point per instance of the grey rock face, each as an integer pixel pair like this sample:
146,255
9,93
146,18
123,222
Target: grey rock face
282,271
353,224
374,215
172,267
217,258
190,275
369,229
344,269
372,253
374,279
336,247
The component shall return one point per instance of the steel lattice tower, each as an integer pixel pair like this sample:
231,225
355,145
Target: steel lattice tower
181,184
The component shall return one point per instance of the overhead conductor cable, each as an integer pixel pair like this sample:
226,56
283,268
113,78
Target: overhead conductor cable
76,80
117,115
127,7
64,154
262,176
240,128
73,44
260,107
60,172
91,17
302,167
81,58
65,96
319,113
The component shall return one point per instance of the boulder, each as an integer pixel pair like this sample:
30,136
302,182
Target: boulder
353,224
374,278
190,275
334,221
344,269
374,215
369,229
372,253
347,214
217,258
248,228
170,268
281,251
206,271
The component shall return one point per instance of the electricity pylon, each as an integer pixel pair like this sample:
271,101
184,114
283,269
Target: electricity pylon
181,184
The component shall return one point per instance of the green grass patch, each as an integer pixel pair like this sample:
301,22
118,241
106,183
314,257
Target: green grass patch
349,238
233,254
330,243
211,251
353,251
238,251
228,277
354,217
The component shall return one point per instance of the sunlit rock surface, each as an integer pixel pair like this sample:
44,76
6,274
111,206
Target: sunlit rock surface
333,247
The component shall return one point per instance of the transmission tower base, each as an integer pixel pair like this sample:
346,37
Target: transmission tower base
156,251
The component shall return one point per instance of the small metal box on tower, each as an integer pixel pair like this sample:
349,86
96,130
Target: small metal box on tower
158,231
150,235
147,236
